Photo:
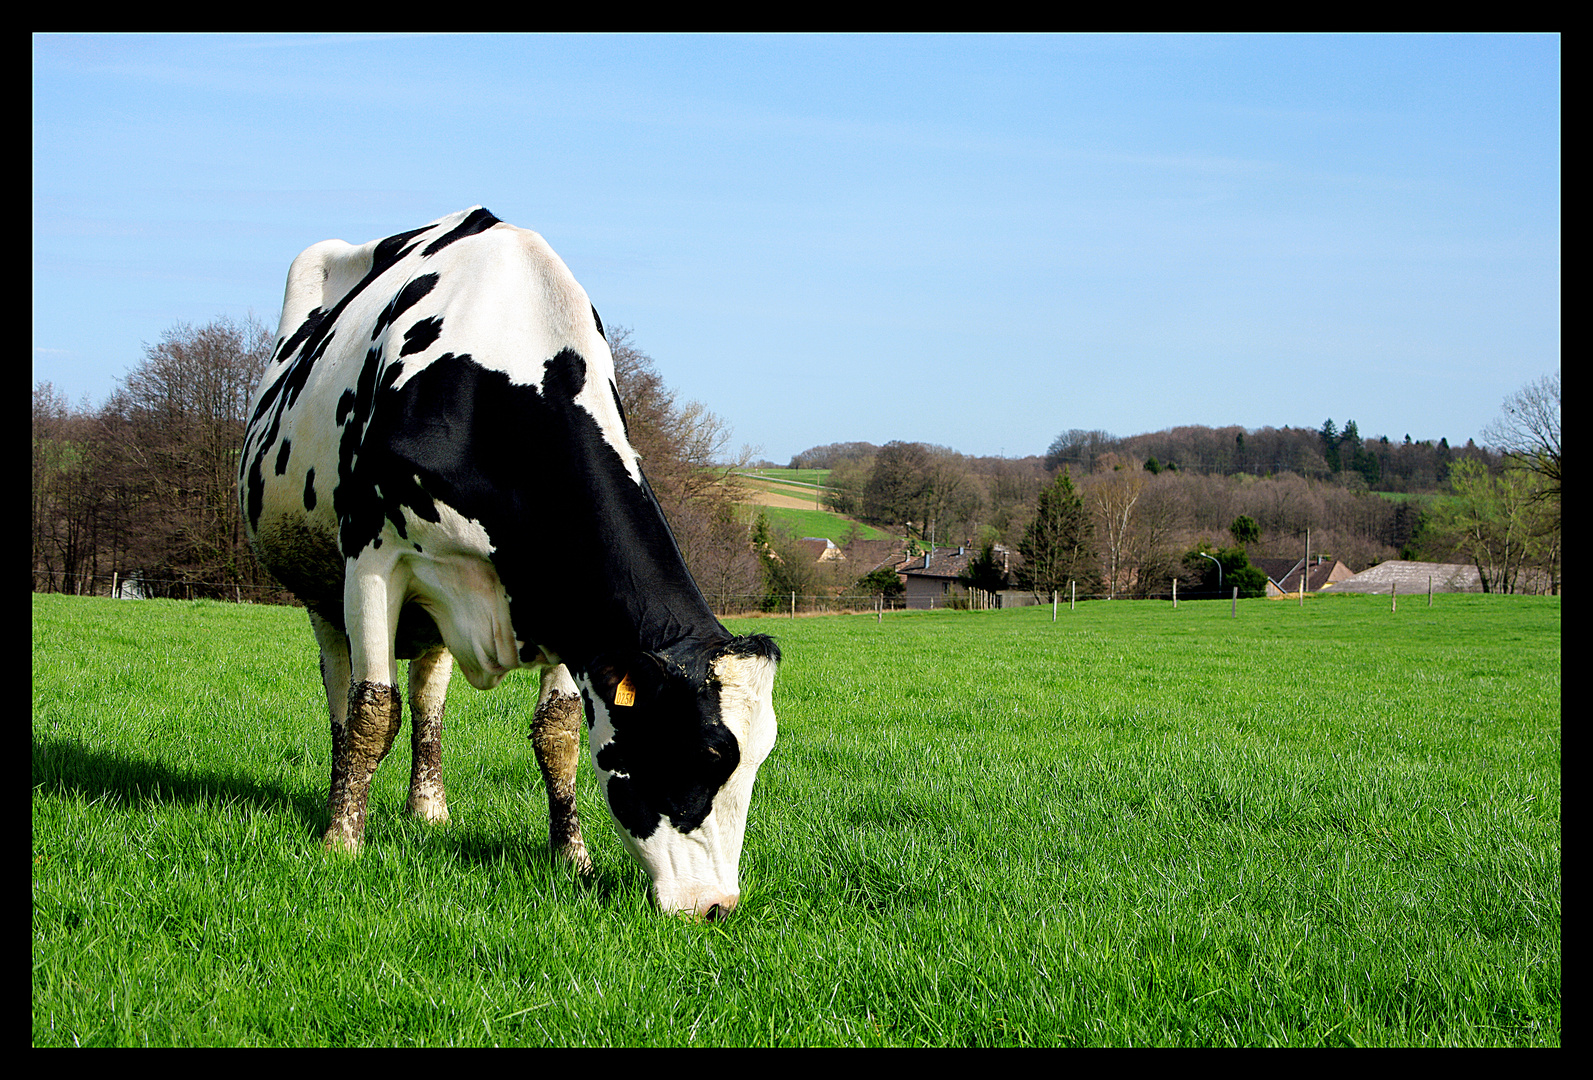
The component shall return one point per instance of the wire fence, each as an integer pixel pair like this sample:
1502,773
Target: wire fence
724,605
790,605
140,587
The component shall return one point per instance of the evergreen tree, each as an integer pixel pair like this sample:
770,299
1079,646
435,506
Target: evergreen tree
1237,572
1244,530
1056,546
1330,446
984,572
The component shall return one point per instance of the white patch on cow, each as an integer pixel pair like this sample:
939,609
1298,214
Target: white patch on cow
481,296
452,577
481,299
746,705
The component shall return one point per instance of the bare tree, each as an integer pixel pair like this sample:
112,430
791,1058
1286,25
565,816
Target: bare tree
685,453
1112,496
1491,520
66,464
175,429
1152,548
1528,433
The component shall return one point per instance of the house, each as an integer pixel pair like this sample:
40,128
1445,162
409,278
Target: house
1283,575
931,578
820,549
1410,578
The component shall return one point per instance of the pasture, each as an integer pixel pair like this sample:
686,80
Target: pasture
1136,826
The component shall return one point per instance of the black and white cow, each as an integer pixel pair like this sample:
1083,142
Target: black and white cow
437,463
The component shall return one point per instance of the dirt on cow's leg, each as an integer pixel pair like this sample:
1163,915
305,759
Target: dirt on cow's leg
428,693
556,735
358,747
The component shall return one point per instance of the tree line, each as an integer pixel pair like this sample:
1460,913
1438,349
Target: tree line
1123,516
141,489
1325,453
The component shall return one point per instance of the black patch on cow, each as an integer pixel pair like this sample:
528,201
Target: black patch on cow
670,753
755,645
407,297
479,220
307,345
305,560
564,376
421,335
555,498
599,321
309,491
417,633
282,457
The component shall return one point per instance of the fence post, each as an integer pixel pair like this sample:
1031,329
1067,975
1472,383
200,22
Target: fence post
1233,612
1075,597
1393,596
1053,605
793,605
1175,594
1429,590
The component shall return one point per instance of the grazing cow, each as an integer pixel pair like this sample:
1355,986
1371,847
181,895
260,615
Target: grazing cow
437,463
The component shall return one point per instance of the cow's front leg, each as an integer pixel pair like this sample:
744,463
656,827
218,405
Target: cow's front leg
371,599
556,734
428,693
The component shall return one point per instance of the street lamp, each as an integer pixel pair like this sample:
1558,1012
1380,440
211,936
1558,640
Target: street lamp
1203,555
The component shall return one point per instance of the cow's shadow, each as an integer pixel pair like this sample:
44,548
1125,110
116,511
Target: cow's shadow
122,780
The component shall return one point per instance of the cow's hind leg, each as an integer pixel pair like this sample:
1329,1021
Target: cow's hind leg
335,678
374,712
556,734
428,692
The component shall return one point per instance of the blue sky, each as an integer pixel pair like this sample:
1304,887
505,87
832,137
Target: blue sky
976,241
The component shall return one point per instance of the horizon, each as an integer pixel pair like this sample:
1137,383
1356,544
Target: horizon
1159,431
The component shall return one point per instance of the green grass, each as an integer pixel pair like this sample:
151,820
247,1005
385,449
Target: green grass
797,476
1329,825
802,522
819,523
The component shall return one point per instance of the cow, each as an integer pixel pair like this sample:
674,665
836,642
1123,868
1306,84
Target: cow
437,464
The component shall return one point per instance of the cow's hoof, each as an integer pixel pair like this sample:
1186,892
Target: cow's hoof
431,811
575,854
337,839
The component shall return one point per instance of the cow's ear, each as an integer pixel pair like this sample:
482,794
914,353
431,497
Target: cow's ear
627,679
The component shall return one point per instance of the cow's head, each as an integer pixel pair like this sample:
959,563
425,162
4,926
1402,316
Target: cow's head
677,738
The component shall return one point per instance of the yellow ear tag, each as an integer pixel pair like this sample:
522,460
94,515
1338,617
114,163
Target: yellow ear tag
625,692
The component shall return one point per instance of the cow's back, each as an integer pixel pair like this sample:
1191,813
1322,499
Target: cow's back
466,292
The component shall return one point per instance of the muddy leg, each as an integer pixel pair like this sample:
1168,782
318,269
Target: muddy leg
428,692
373,719
556,734
371,598
335,678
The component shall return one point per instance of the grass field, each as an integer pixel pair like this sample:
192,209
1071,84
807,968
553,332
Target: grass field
801,483
803,477
818,523
1136,826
